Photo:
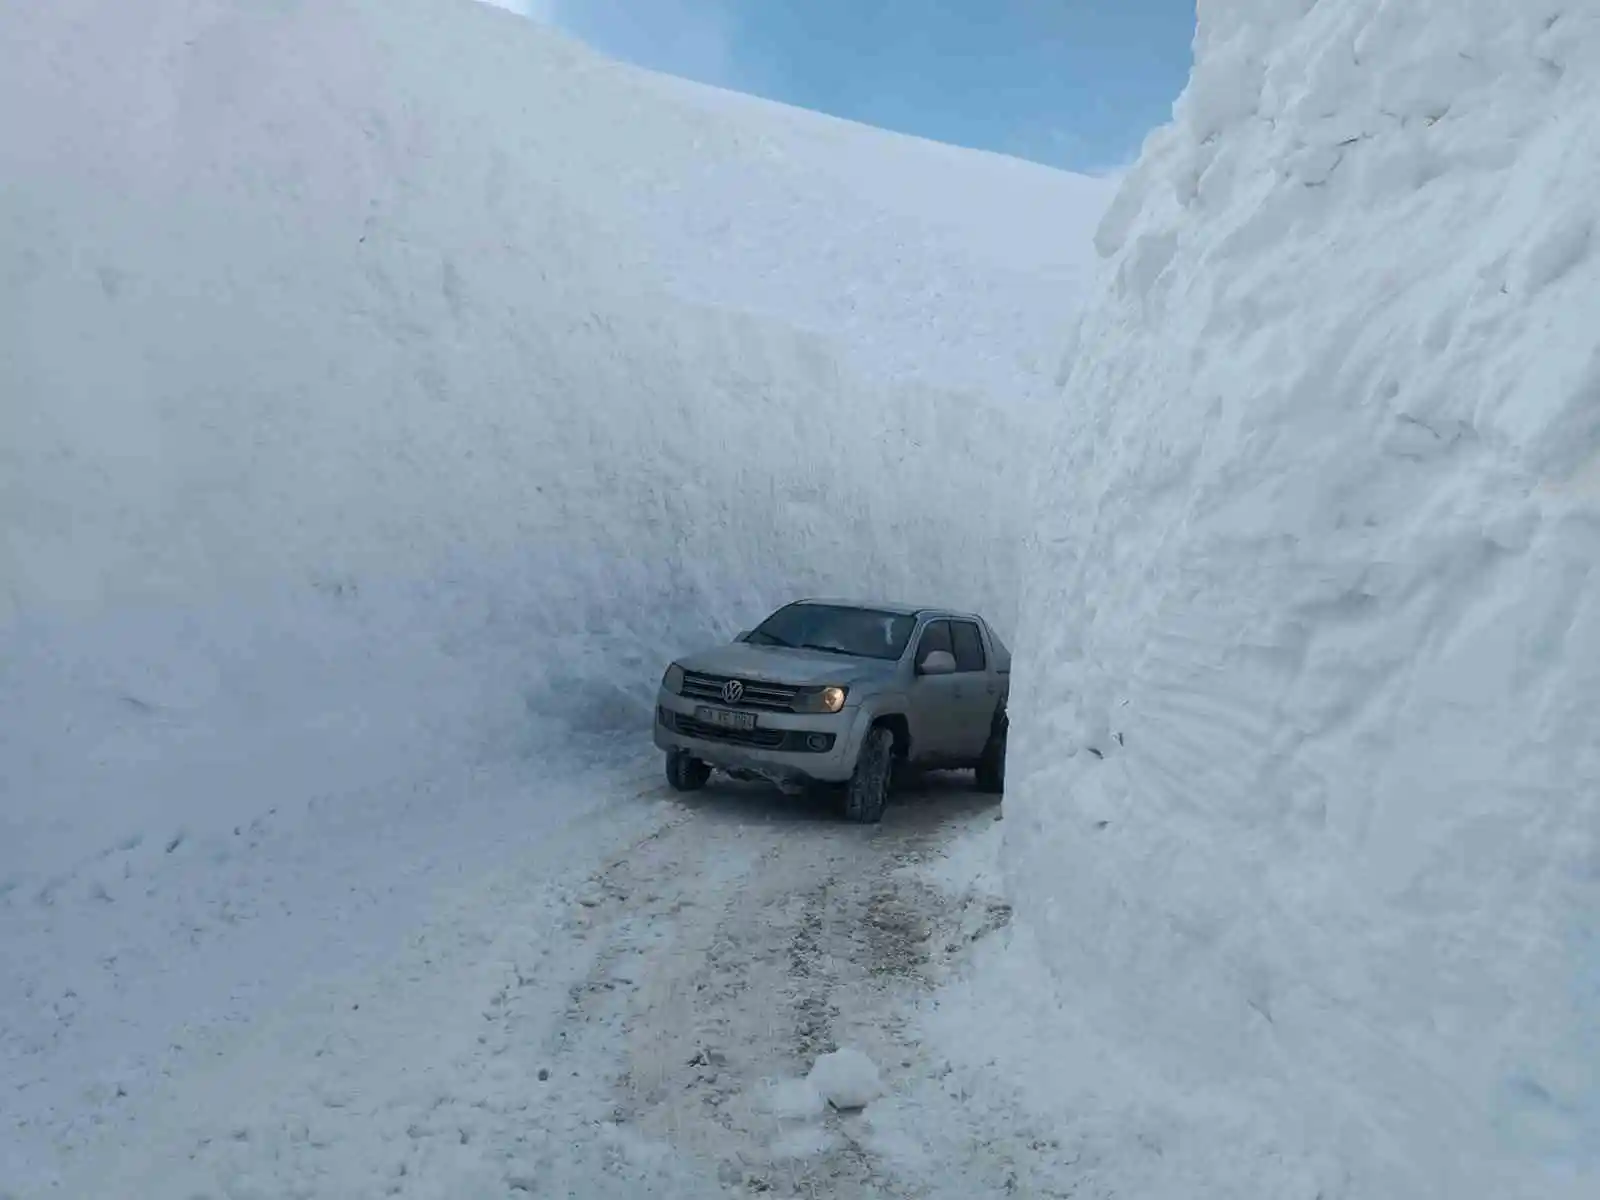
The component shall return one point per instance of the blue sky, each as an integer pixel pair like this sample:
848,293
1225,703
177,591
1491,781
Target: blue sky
1073,83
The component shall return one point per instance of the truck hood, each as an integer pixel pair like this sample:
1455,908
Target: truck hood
773,664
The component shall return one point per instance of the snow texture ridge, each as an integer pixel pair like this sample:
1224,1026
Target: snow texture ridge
1305,804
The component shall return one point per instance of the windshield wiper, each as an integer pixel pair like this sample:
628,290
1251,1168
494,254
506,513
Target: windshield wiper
829,649
772,639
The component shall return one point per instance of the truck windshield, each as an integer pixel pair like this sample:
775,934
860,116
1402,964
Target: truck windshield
859,632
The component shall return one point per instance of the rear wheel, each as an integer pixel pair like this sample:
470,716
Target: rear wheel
867,793
992,766
685,772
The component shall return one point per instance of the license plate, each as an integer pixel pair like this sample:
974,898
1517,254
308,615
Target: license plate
722,718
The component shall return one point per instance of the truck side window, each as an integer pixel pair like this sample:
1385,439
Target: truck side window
968,646
935,637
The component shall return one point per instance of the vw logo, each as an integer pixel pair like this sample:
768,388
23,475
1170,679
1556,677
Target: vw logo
732,691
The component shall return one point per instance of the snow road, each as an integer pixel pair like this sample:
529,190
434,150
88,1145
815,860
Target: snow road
638,1024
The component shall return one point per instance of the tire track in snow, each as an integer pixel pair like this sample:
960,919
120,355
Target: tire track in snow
633,1029
804,934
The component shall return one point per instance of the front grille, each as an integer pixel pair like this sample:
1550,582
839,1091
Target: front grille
772,697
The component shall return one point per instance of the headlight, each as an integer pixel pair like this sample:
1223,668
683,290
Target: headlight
823,700
672,681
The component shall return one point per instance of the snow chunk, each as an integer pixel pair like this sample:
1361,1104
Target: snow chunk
847,1079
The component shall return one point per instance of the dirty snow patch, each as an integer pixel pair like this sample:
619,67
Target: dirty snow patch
808,1141
969,863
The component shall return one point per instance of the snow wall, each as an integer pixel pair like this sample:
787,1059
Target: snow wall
1305,808
393,384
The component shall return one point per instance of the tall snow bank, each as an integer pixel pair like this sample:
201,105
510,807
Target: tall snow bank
1306,777
387,389
371,398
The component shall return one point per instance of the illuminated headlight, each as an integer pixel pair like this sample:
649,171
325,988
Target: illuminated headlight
672,681
822,700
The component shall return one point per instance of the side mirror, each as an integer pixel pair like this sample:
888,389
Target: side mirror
938,662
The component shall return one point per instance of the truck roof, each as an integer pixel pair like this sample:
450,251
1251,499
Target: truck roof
908,610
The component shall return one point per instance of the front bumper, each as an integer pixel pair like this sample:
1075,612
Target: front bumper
778,749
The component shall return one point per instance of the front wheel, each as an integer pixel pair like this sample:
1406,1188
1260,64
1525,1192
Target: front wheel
685,772
867,793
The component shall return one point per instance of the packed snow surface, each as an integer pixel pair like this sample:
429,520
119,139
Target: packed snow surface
634,1022
390,388
1305,808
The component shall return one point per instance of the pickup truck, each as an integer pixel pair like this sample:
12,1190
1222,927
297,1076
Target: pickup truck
835,692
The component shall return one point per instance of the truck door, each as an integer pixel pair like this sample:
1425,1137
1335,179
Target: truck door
976,692
934,701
